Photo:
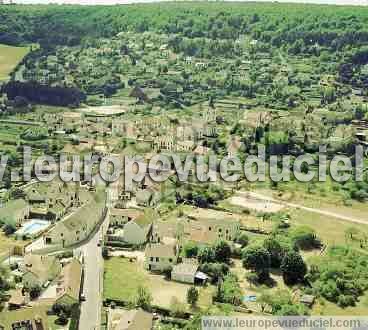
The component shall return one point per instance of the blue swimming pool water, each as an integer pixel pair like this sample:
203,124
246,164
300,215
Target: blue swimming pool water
249,298
33,227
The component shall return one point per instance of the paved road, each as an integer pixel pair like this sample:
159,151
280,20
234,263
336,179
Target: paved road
90,318
298,206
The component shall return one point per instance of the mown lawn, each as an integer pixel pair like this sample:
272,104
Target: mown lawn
9,58
122,278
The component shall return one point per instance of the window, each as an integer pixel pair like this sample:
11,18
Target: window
157,259
170,260
151,258
220,230
209,228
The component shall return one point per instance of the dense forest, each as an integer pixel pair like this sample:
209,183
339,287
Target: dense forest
43,94
301,26
202,29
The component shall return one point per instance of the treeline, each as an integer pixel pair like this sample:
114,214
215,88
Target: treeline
42,94
280,24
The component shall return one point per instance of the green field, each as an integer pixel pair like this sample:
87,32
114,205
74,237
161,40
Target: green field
9,58
117,269
122,279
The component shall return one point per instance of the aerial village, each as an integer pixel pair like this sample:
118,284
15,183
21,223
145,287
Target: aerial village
91,255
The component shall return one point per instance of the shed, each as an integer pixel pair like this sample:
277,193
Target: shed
184,273
201,277
307,299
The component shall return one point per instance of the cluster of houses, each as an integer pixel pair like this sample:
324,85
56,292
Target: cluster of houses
186,136
164,241
62,278
50,205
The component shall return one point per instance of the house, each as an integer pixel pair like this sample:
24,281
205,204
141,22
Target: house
164,143
119,217
199,234
224,229
139,94
202,151
139,230
123,200
160,257
135,319
147,197
19,298
69,283
123,128
165,232
185,146
206,231
39,269
72,120
184,272
210,114
234,147
185,133
53,203
201,65
34,318
72,230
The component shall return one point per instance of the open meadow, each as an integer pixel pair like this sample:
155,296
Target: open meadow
9,58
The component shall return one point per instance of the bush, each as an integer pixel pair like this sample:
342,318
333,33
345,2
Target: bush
304,237
190,250
242,239
215,270
345,301
105,252
62,319
34,291
222,252
192,296
9,229
34,134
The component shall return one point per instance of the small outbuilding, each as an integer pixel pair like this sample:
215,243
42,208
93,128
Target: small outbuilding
307,299
184,273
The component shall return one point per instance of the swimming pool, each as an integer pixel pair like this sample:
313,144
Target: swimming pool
33,227
249,298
